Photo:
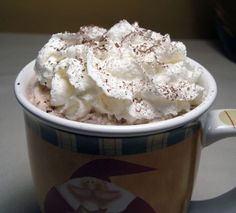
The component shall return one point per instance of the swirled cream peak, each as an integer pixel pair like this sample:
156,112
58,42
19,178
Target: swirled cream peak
126,73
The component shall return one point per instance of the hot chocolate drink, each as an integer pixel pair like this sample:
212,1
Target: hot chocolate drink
123,75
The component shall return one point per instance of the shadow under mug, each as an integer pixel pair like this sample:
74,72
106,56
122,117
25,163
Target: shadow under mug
147,168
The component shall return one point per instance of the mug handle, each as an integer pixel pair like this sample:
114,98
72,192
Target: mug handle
218,124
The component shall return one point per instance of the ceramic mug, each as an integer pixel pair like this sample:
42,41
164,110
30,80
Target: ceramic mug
145,168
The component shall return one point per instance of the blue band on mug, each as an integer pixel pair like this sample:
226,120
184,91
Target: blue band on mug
107,145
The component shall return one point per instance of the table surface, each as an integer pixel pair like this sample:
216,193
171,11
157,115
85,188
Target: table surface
217,172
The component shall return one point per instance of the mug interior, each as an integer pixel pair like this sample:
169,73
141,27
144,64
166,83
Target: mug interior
24,79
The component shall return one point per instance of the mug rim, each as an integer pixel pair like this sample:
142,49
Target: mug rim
26,73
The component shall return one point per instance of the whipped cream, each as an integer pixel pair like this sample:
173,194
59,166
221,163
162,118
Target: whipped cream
127,73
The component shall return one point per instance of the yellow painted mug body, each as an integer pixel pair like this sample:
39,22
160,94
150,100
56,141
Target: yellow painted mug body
153,173
79,167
